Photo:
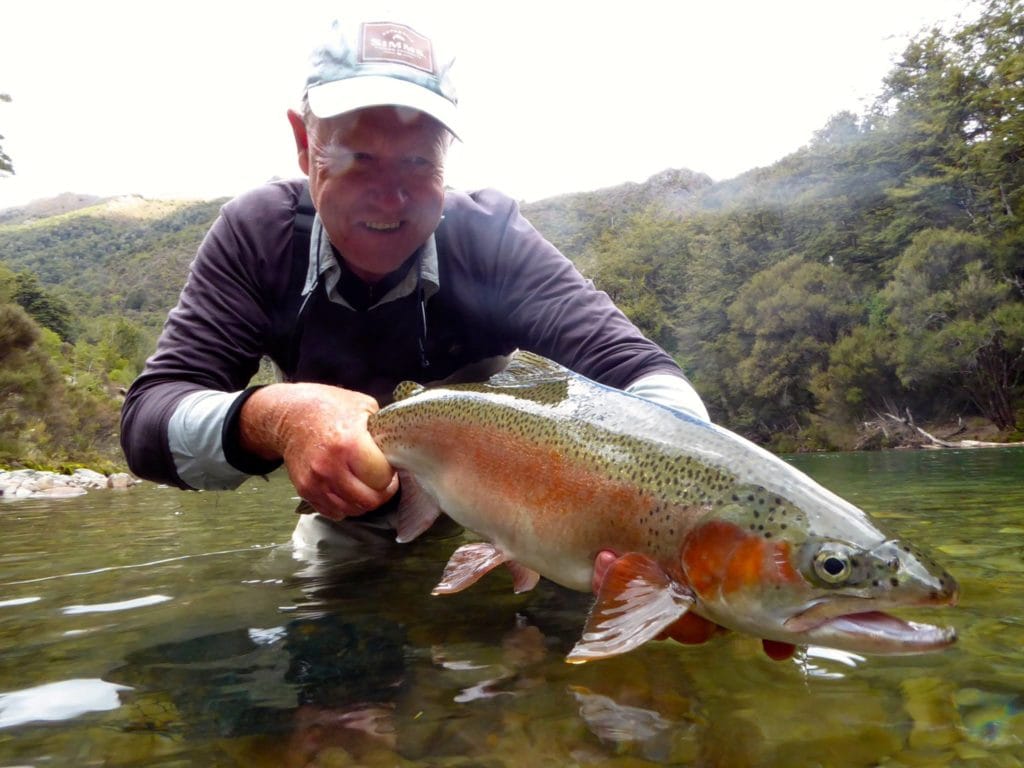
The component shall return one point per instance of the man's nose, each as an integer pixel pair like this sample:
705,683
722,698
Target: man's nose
389,190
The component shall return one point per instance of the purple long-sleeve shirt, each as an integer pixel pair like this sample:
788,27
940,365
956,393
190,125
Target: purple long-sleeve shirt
484,285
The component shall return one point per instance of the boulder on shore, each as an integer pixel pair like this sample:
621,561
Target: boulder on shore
34,483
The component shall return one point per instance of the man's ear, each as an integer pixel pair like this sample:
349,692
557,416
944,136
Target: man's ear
301,139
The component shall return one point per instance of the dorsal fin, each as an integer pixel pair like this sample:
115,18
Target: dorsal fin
528,376
407,389
527,369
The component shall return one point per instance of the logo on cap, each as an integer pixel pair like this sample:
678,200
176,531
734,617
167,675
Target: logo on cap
396,44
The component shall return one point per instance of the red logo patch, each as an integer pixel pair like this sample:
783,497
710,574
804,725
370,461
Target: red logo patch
396,44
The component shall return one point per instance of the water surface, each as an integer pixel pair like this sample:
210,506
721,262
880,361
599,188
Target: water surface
152,627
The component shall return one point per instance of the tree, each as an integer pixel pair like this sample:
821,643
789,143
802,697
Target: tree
6,166
47,310
29,382
993,54
989,354
642,269
786,320
860,376
956,327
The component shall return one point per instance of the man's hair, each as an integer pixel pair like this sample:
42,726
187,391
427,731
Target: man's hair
310,120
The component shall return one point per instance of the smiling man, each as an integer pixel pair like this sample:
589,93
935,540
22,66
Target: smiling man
395,278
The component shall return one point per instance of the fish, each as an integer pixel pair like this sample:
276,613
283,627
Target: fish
548,468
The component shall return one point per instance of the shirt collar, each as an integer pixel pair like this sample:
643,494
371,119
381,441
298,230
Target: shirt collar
324,266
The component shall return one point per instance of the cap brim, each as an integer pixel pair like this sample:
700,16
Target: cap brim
340,96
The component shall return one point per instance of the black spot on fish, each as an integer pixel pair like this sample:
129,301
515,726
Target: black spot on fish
894,581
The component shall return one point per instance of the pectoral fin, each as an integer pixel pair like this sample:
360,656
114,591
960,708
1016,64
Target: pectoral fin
467,566
417,510
523,579
636,602
470,562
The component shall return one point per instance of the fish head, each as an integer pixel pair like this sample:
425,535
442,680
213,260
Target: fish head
852,587
789,583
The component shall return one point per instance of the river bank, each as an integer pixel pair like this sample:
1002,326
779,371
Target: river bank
35,483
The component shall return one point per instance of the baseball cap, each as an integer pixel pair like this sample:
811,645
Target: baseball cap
376,63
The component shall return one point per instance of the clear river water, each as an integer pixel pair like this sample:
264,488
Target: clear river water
154,627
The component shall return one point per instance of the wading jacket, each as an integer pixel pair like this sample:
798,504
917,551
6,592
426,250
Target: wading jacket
483,285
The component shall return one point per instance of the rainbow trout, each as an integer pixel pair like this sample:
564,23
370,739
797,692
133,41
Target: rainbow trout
550,468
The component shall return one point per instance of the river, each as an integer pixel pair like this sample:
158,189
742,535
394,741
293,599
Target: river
152,627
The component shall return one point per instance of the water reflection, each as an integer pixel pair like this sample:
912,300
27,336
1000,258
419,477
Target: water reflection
272,656
313,683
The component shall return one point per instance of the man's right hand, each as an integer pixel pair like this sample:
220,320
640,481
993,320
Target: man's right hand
320,432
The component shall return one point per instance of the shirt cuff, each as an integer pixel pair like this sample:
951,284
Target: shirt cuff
195,435
672,391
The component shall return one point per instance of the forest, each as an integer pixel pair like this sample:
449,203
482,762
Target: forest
875,273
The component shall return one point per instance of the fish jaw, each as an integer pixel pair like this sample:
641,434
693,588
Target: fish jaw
878,633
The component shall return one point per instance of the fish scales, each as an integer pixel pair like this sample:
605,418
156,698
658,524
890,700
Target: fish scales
513,473
550,468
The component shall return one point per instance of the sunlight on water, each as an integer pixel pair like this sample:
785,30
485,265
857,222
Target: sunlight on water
158,628
58,701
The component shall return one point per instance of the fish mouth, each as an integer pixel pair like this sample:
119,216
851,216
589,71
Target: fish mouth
873,632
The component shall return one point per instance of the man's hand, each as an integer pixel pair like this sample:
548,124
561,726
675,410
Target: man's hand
320,432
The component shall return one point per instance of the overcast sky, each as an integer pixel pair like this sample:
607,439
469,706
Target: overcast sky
188,99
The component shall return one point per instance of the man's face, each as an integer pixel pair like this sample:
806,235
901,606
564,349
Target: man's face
376,177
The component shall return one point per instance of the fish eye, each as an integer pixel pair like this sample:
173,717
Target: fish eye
832,567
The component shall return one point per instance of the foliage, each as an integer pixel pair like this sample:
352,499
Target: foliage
880,268
6,165
114,270
47,310
785,322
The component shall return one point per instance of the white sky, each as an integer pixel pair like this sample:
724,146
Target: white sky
188,99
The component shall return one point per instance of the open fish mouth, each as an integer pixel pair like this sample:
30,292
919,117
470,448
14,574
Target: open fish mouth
871,632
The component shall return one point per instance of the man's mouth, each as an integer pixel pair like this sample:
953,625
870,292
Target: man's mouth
382,226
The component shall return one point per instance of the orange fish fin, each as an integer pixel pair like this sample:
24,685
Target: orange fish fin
636,602
777,650
467,566
691,629
523,579
417,511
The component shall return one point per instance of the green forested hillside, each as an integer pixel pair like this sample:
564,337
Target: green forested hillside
879,269
83,295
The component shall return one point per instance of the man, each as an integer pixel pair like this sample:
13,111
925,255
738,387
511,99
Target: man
402,280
